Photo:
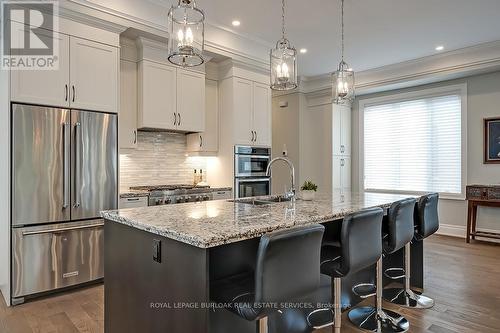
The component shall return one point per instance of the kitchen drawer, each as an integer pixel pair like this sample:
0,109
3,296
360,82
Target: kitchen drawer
219,195
55,256
133,202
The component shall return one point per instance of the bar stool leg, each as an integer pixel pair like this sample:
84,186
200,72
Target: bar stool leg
263,328
405,296
337,300
377,319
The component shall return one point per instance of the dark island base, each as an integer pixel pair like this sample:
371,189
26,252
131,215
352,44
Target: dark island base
143,295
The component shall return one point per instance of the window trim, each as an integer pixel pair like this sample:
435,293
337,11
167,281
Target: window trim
460,89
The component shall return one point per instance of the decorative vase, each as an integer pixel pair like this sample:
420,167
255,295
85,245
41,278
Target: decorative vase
308,195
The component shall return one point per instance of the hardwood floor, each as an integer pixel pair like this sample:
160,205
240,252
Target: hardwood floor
463,279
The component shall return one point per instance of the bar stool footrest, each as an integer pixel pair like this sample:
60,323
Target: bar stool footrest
320,318
365,290
395,273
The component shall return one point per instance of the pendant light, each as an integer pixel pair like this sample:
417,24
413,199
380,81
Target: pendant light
186,28
343,78
283,59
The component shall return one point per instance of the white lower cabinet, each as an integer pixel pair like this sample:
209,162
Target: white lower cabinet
208,140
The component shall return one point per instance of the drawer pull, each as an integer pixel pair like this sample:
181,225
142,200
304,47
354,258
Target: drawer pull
29,233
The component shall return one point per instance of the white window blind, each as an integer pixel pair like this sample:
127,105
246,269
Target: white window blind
414,145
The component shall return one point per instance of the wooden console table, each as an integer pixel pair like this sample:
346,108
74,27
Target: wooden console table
480,195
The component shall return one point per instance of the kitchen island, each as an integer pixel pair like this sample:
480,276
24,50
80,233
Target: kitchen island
160,262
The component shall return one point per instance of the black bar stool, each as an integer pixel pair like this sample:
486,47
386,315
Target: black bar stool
287,268
426,223
398,231
360,246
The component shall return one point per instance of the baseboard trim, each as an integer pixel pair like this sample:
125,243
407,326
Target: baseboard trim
452,230
461,231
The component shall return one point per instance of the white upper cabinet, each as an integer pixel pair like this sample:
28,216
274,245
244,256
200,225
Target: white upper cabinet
93,75
170,98
190,101
127,121
157,95
251,113
262,114
208,140
86,78
47,87
243,112
341,130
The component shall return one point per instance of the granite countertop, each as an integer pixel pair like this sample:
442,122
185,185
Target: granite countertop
213,223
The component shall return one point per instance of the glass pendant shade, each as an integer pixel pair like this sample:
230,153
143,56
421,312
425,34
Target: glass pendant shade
343,84
186,27
283,66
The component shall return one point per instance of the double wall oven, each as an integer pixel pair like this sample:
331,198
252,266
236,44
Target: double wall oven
250,164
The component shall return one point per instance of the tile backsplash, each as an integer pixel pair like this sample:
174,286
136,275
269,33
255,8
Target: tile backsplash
160,158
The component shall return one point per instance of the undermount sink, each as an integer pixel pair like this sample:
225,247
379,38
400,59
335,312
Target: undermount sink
263,201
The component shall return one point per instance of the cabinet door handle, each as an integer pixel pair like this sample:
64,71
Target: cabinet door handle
74,92
179,123
252,137
255,136
175,118
201,141
135,137
66,92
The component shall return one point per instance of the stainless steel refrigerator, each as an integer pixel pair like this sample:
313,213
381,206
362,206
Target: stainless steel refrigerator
64,172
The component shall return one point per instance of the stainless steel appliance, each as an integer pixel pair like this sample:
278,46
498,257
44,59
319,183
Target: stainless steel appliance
250,165
64,172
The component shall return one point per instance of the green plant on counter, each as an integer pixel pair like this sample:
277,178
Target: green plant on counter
309,186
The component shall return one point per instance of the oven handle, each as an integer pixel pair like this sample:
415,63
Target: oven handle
253,180
263,157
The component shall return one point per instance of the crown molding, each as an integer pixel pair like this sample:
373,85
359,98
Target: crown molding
245,48
473,60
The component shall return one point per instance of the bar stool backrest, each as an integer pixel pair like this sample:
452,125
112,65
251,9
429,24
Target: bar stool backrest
361,240
288,264
400,225
427,221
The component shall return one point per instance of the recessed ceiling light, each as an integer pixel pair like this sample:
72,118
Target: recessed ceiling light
236,23
303,50
440,48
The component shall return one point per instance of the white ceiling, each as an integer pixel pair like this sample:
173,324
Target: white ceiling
378,32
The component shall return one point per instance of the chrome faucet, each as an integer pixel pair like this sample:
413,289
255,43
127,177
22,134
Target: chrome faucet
290,194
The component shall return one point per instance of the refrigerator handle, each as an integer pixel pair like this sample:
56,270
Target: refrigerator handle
66,162
78,163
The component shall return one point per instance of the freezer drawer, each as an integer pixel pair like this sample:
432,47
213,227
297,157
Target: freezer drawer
55,256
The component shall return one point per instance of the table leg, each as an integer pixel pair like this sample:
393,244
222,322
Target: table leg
474,220
469,219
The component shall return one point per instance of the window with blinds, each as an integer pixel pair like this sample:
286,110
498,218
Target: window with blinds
414,145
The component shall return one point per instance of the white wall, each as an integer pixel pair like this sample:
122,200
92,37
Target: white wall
483,101
305,126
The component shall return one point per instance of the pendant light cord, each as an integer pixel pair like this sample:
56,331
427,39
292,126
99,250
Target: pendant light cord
342,20
283,18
